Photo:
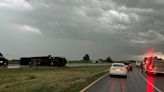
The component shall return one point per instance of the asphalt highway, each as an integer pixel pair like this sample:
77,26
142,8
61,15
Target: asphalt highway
135,82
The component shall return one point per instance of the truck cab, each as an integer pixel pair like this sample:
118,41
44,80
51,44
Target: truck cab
3,61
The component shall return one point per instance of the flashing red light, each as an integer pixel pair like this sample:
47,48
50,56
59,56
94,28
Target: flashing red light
149,87
130,64
150,53
147,61
150,67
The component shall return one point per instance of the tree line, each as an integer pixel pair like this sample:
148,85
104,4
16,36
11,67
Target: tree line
86,58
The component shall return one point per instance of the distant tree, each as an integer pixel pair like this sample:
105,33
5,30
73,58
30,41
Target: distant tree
86,57
131,61
108,59
101,60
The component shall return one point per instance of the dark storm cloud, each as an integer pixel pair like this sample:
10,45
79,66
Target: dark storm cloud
117,28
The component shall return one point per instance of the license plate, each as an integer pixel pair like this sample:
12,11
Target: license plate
1,61
117,69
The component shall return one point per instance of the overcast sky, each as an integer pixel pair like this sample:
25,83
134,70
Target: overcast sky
122,29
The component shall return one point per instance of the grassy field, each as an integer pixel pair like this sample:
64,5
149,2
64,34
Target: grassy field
14,62
77,62
69,62
48,79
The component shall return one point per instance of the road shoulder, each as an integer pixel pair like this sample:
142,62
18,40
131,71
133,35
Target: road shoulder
94,82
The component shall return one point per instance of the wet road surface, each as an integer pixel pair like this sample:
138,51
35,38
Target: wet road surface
135,82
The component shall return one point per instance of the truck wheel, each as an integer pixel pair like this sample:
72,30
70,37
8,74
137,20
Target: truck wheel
5,64
52,64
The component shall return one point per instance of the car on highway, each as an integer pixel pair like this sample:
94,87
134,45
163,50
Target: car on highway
138,63
118,69
129,66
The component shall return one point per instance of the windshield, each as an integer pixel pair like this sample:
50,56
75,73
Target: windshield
117,65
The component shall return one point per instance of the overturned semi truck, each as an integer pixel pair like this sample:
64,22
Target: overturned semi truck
43,61
3,60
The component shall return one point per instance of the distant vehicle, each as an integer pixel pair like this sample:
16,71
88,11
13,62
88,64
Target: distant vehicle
96,61
129,66
43,61
154,65
118,69
138,63
3,61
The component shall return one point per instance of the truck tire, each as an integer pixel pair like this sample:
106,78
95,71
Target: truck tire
52,63
5,64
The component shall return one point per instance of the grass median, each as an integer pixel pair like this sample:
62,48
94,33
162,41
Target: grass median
49,79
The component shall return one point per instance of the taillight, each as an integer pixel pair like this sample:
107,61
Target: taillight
123,69
130,64
150,67
147,62
112,69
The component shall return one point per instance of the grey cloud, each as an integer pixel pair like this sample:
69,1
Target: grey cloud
144,4
120,28
70,23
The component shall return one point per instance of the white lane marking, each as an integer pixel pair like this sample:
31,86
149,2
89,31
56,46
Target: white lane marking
150,83
87,87
12,67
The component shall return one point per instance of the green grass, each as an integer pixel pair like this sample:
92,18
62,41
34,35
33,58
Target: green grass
14,62
69,62
48,79
78,62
